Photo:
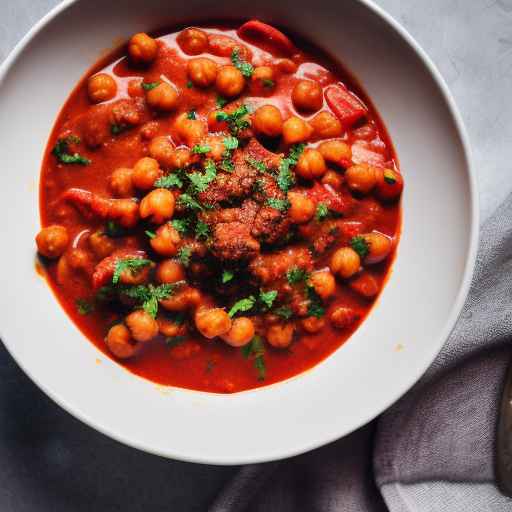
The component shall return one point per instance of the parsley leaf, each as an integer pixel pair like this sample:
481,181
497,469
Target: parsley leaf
169,181
296,275
256,164
315,307
148,86
133,265
201,149
184,255
227,276
230,143
221,102
242,305
84,307
244,67
202,230
149,295
150,234
256,350
116,129
360,245
279,204
235,120
267,83
284,312
61,152
189,202
295,152
268,298
190,84
113,229
181,225
191,114
322,212
285,178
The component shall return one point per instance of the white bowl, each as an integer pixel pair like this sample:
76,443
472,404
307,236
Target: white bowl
379,363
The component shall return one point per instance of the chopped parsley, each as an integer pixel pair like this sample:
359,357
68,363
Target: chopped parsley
170,181
389,177
268,298
133,265
189,202
279,204
256,164
244,67
202,230
285,178
230,143
84,307
235,120
267,83
201,149
150,234
227,165
242,305
297,275
284,312
316,307
181,225
116,129
190,84
61,152
227,276
184,255
221,102
148,86
322,212
200,181
295,152
192,114
148,296
256,350
113,229
360,245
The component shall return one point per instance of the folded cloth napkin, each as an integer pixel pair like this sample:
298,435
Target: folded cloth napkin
434,450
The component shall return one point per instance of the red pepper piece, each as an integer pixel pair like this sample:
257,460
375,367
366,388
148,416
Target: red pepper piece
258,32
347,107
327,195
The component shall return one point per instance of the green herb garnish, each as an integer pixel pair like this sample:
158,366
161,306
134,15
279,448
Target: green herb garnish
84,307
256,164
268,298
242,305
116,129
148,86
221,102
184,255
190,84
173,341
322,212
235,120
284,312
148,296
316,307
169,181
191,114
256,349
189,202
244,67
267,83
296,275
360,245
202,230
227,276
61,152
150,234
389,177
181,225
133,265
279,204
201,149
113,229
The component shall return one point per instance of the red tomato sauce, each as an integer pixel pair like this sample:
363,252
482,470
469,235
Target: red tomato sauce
198,363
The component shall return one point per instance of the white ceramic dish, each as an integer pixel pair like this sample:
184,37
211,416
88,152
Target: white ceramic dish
390,351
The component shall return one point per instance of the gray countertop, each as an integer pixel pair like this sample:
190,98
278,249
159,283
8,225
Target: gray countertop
50,461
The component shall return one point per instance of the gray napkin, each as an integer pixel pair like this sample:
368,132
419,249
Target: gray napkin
433,451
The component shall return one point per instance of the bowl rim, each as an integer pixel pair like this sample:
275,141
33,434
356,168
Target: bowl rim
469,266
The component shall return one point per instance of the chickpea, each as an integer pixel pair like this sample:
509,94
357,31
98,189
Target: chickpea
389,184
343,317
193,41
101,245
120,342
169,328
101,87
345,262
78,260
324,284
280,335
165,241
135,89
52,241
241,332
332,179
296,130
361,178
202,71
302,208
336,152
230,81
313,324
139,275
186,297
121,183
158,204
379,247
182,158
287,66
263,79
149,130
267,120
163,97
143,327
311,164
125,211
326,126
307,95
145,172
191,131
170,271
142,48
365,284
162,150
212,322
